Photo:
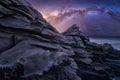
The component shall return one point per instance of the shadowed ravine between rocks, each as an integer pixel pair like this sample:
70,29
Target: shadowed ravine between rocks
31,49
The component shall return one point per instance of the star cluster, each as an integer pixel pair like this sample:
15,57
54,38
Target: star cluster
94,17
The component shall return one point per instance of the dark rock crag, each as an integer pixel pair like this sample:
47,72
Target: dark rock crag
31,49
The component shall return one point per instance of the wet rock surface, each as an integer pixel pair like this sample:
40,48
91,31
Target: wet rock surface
31,49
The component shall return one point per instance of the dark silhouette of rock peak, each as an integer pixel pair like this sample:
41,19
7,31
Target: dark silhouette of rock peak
21,15
74,29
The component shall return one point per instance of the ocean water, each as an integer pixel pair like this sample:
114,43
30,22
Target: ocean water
114,41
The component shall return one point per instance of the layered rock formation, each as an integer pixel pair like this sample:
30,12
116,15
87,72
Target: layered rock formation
31,49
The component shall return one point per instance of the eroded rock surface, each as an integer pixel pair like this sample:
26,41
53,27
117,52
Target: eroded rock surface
31,49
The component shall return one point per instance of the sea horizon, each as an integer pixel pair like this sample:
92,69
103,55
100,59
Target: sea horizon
114,41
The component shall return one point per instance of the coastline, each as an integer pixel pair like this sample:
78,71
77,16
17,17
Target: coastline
114,41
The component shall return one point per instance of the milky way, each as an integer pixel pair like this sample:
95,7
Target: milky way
94,17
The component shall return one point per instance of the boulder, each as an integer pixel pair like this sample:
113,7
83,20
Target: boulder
107,47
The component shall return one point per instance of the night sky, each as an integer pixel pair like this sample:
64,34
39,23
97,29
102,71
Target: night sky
94,17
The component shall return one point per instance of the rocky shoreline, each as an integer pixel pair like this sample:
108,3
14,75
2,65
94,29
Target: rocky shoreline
31,49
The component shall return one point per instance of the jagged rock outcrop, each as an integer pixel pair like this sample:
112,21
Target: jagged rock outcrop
73,34
31,49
